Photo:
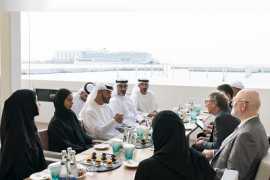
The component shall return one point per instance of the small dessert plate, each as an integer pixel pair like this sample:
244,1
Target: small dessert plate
131,164
40,176
101,146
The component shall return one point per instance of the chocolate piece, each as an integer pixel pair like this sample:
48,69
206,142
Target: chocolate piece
98,161
88,159
109,163
94,155
113,158
103,157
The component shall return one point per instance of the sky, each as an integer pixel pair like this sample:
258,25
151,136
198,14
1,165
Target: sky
186,35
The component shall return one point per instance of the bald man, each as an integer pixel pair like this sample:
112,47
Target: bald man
247,145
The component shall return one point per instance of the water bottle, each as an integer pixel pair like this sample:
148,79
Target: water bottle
125,135
63,175
69,150
73,166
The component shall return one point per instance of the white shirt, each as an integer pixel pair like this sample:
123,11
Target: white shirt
78,104
123,104
144,103
98,121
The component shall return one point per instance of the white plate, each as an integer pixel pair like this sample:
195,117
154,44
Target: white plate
131,163
101,146
40,176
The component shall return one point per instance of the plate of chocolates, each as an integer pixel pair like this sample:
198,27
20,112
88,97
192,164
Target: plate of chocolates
101,162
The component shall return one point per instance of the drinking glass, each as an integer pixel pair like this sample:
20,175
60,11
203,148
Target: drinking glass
54,170
193,116
197,108
145,132
129,151
140,132
116,146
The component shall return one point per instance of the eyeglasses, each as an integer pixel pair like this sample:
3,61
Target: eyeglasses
235,101
206,101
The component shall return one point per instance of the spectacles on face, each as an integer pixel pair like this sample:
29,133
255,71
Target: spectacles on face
207,101
235,101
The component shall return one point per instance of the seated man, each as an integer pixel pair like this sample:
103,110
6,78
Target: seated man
80,97
224,123
123,104
247,145
143,99
96,115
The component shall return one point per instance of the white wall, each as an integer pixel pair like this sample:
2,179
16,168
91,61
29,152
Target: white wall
10,66
5,56
168,96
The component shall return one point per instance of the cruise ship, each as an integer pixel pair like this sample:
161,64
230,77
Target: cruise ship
102,56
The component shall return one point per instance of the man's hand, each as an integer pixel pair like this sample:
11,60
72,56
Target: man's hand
208,153
210,126
202,138
119,117
207,131
199,142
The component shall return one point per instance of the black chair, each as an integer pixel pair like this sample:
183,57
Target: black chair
46,95
50,156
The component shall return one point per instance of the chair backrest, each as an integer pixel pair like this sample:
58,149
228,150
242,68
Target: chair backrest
43,135
263,172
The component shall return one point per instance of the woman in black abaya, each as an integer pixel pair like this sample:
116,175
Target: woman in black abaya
173,159
64,129
21,150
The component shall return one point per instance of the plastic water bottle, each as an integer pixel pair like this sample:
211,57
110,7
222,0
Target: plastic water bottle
73,166
63,175
69,150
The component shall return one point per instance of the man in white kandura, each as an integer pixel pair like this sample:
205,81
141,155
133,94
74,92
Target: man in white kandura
237,86
79,98
120,102
143,99
97,117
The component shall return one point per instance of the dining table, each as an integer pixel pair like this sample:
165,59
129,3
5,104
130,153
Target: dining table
123,172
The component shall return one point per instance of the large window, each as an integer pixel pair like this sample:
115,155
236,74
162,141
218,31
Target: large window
189,46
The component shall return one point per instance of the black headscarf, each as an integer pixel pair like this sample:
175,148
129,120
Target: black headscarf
170,144
64,129
173,159
21,150
60,109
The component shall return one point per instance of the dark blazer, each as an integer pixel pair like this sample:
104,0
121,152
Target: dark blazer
242,150
224,125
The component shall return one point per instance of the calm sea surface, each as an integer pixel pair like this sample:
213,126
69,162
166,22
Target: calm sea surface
173,77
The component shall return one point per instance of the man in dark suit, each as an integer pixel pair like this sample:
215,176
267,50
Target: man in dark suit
224,124
247,145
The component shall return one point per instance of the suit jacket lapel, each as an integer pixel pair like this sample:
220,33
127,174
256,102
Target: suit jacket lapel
228,140
231,137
